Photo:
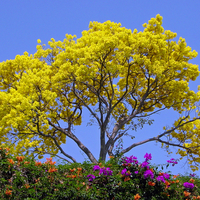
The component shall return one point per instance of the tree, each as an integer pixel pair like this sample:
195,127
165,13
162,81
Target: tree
112,72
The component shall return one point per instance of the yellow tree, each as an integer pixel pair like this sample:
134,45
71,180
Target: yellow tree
112,72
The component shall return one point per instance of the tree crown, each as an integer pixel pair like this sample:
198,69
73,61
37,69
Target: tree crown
111,71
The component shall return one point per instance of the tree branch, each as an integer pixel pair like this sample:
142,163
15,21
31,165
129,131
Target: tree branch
159,136
86,105
73,137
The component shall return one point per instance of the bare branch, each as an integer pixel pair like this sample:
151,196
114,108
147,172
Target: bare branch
55,141
86,105
159,136
73,137
177,145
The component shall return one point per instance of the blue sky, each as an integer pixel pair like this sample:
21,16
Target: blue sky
23,22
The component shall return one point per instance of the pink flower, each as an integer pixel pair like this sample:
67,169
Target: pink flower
145,164
147,156
161,178
172,160
91,177
96,167
148,173
124,172
188,185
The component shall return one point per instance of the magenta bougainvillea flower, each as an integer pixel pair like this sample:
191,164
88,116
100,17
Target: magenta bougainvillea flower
91,177
147,156
124,172
188,185
106,171
129,160
103,170
166,175
160,178
192,175
144,164
148,173
172,160
96,167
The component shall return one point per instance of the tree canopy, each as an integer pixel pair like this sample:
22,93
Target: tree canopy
111,71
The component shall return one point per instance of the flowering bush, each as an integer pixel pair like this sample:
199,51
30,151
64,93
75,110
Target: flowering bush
23,178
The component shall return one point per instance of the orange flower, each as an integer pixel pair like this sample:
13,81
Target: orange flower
175,176
49,161
127,178
167,183
79,169
192,180
137,196
151,183
166,194
71,176
27,186
186,193
111,157
177,181
151,170
8,192
53,163
7,149
37,180
38,163
26,162
100,164
11,161
83,183
52,170
20,158
172,181
72,170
